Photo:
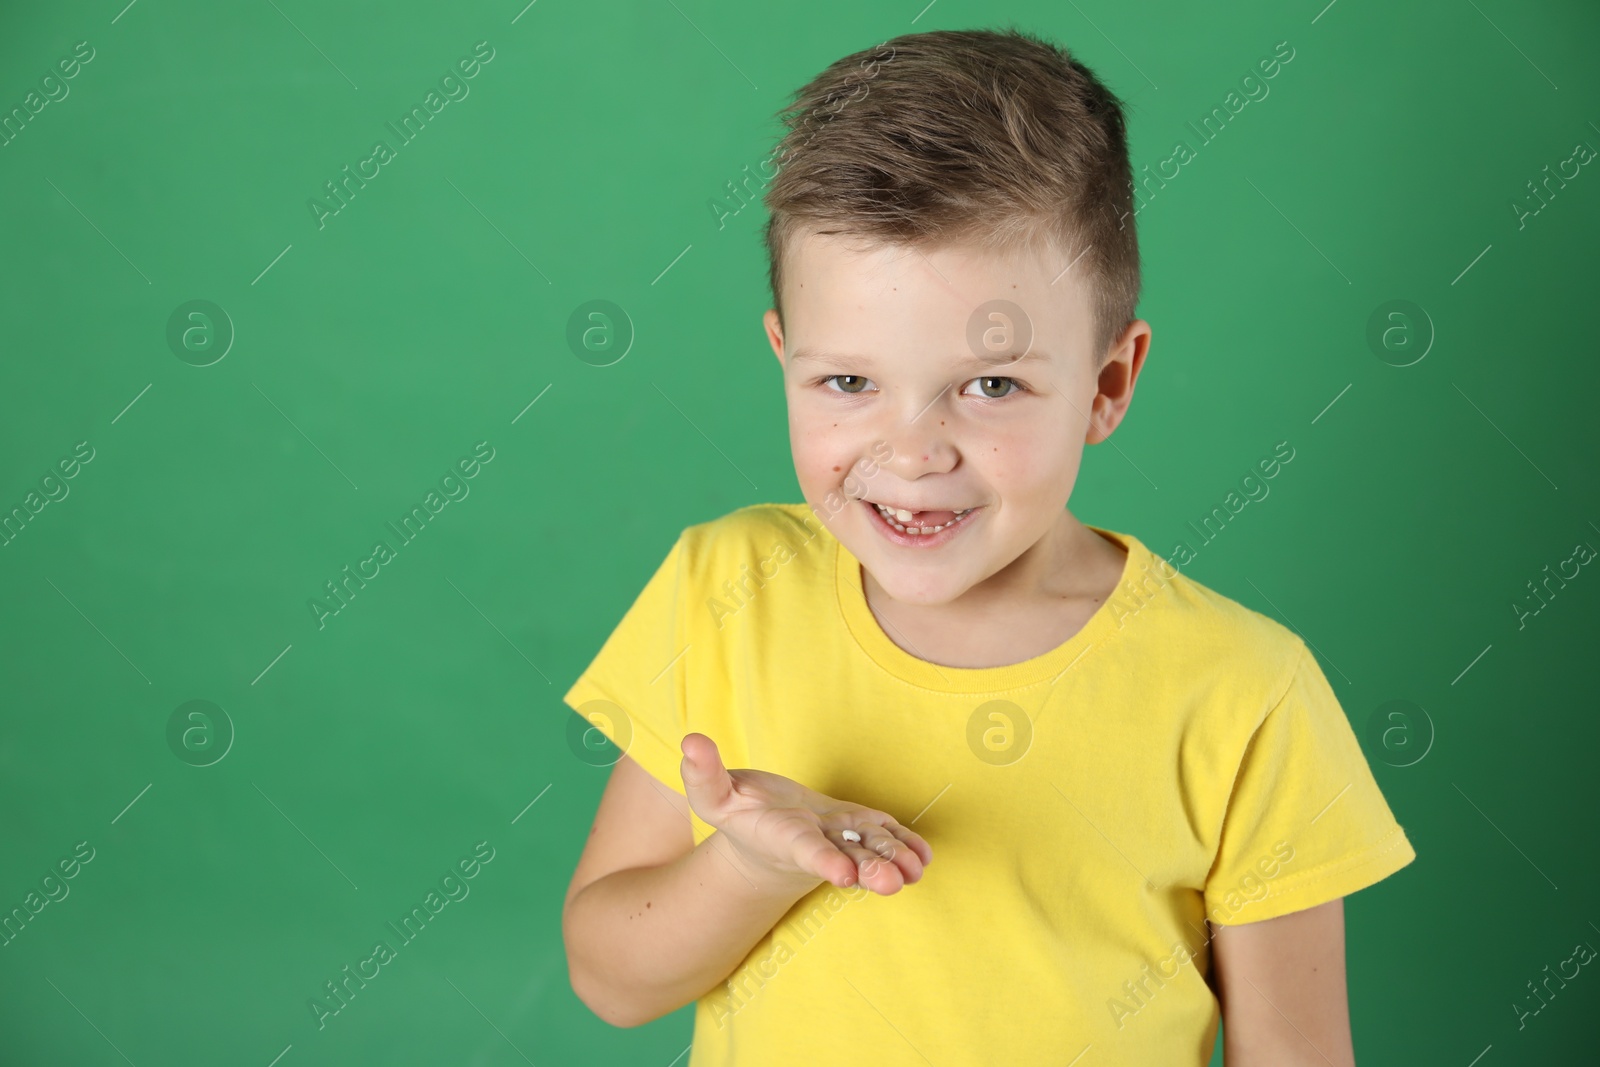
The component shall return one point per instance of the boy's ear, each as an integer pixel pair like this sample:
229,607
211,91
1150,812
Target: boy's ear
774,333
1116,381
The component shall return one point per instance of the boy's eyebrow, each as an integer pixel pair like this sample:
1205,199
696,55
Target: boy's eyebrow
801,355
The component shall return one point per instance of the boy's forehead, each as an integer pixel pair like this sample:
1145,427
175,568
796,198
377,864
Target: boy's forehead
845,285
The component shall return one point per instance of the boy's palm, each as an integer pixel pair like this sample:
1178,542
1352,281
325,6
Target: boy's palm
782,828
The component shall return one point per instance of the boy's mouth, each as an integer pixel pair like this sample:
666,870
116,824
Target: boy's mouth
922,526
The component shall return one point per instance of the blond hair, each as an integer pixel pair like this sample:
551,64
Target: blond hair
996,139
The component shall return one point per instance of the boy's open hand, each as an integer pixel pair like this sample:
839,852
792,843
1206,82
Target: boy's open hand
781,829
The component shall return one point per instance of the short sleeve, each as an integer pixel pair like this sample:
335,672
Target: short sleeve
1306,822
631,692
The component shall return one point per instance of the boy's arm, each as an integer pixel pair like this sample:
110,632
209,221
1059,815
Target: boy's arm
1281,983
651,920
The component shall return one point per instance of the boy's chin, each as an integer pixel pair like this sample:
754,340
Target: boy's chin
907,590
925,583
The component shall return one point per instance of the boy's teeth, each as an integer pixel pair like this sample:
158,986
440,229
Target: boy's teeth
899,517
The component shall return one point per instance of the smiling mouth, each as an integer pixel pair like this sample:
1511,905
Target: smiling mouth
920,523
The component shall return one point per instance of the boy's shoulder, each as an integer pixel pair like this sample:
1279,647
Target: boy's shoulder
726,562
755,531
756,518
755,540
1202,632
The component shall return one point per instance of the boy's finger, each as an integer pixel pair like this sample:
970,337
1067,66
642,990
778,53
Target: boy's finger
912,839
706,782
893,850
815,853
908,836
877,873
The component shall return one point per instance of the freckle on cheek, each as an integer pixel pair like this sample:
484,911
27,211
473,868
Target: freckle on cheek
836,468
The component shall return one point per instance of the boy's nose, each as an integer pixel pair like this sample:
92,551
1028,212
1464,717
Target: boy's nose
919,446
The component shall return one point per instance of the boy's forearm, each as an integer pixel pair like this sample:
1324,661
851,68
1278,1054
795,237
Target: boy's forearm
645,941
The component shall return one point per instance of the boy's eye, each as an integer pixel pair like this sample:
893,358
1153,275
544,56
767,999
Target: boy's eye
995,388
848,383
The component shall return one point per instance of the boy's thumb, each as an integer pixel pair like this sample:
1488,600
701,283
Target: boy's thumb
702,765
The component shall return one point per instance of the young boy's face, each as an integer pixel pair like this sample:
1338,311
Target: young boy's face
890,403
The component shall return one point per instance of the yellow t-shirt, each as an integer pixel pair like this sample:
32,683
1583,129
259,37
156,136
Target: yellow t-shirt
1179,758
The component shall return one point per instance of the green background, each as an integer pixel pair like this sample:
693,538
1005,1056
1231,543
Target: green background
367,756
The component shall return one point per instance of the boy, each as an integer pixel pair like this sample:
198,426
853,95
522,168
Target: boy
1144,798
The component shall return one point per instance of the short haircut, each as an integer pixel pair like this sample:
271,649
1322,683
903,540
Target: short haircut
992,138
